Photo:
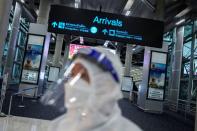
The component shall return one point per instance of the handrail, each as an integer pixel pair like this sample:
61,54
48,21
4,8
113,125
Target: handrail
18,93
191,102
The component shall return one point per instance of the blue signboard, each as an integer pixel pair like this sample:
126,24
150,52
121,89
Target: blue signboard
101,25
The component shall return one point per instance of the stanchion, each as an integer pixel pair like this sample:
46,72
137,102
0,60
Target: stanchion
3,92
22,102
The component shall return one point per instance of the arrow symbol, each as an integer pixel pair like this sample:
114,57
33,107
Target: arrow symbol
105,31
54,24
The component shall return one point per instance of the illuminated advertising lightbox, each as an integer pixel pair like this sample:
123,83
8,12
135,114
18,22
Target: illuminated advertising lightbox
73,49
157,76
106,26
32,59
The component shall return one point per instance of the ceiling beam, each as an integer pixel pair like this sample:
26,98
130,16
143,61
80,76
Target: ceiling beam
128,6
149,5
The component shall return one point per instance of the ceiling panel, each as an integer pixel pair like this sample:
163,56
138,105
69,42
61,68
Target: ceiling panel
111,6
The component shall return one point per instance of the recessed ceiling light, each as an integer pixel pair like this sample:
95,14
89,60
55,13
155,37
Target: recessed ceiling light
76,5
127,13
23,1
180,22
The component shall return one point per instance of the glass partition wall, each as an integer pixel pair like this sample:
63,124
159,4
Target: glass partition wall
188,81
20,47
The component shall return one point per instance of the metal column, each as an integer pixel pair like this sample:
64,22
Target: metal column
66,53
128,60
196,101
5,7
13,40
43,19
191,73
176,69
58,50
171,61
43,11
66,50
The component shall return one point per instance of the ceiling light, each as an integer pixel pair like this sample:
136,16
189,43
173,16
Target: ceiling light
128,4
184,12
133,49
81,40
76,5
127,13
180,22
23,1
106,43
37,12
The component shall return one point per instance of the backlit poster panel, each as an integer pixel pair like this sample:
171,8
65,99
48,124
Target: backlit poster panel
157,76
32,59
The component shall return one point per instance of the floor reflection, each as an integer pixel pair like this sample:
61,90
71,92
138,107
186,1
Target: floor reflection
22,124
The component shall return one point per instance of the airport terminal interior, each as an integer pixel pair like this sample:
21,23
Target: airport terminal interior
42,43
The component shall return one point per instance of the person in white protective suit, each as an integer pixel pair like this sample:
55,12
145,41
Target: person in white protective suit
91,94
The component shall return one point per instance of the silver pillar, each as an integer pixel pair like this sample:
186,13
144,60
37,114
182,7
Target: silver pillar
176,70
58,46
66,53
128,60
118,48
43,15
191,73
5,7
196,118
43,64
171,62
196,101
58,50
13,39
43,11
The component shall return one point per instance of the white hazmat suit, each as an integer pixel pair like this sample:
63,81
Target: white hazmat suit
93,106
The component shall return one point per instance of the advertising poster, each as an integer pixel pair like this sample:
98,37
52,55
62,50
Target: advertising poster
29,76
157,76
74,49
32,59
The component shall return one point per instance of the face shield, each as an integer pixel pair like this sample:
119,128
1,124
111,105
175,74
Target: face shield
75,84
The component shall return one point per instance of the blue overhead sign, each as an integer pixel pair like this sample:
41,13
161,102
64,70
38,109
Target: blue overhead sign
100,25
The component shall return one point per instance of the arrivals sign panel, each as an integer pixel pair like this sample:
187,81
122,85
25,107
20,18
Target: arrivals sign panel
157,76
106,26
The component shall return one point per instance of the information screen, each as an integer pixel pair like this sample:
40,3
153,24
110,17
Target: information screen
100,25
127,84
53,73
157,76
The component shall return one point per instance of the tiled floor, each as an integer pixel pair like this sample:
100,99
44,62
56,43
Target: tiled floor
152,122
22,124
147,121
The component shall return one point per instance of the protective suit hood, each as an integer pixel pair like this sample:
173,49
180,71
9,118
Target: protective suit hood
100,112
